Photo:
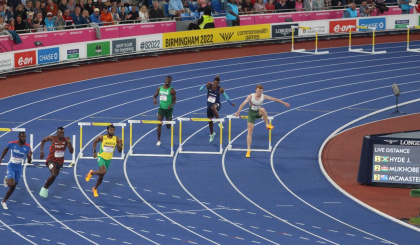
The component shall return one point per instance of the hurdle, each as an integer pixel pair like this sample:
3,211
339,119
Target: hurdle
11,130
73,156
360,50
180,119
81,124
303,50
131,122
417,50
230,147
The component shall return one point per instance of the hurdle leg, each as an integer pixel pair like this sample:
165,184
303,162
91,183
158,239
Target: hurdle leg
172,140
221,139
81,141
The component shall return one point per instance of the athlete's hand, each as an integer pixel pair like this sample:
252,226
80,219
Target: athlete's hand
154,101
29,155
286,104
41,156
169,107
237,113
119,142
68,139
233,104
94,155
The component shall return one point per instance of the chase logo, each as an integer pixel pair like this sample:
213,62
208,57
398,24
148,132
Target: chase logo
377,23
48,55
226,36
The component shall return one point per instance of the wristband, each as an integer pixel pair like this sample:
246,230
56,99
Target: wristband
94,151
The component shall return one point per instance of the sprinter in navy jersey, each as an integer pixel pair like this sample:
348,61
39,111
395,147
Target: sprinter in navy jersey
213,102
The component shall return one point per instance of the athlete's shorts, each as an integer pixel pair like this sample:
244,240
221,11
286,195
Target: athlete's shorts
51,164
210,113
103,162
14,171
252,115
166,113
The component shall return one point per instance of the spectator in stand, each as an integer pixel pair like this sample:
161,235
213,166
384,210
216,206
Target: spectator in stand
259,6
123,15
239,5
186,5
291,5
176,8
29,22
52,8
60,22
126,3
405,6
133,15
2,23
270,7
113,4
39,24
69,23
11,24
365,10
335,4
311,5
351,12
13,5
44,8
20,10
144,14
71,6
50,22
20,26
201,4
96,18
2,11
115,15
248,7
62,6
28,7
281,6
155,12
232,14
89,6
100,5
327,4
77,17
106,17
299,6
81,4
8,14
320,4
85,17
107,3
37,8
205,19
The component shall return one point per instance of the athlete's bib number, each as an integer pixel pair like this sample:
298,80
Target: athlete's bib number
255,107
59,154
163,97
211,99
16,160
108,148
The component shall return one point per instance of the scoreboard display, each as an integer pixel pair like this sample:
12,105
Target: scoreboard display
390,159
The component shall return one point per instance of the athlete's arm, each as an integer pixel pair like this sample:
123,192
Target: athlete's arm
99,139
276,100
69,145
48,138
173,93
119,145
243,104
222,91
156,95
4,153
205,86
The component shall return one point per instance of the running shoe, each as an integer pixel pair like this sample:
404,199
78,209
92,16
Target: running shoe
43,192
4,205
89,175
248,154
5,181
270,127
212,137
158,143
220,125
95,192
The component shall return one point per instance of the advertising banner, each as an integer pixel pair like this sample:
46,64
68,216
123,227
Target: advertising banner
108,32
27,58
216,35
6,61
5,44
83,35
48,55
149,42
337,26
284,30
124,46
74,51
378,23
322,26
98,49
147,28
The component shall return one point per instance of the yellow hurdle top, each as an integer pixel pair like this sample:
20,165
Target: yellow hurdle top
12,129
304,27
362,27
100,124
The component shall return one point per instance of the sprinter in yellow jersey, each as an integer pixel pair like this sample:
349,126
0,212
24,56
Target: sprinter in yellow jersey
109,142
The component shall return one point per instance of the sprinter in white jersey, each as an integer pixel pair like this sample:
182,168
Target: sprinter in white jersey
256,111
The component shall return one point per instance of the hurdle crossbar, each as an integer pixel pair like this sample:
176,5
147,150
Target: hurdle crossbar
81,124
131,122
10,130
416,50
220,120
230,146
360,50
316,41
73,156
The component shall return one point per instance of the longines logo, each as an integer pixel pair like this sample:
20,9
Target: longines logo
226,36
391,141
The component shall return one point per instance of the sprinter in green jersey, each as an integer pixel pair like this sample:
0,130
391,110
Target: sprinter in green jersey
167,99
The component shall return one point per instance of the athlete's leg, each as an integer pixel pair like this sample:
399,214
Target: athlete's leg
101,173
54,173
12,185
249,136
159,126
263,113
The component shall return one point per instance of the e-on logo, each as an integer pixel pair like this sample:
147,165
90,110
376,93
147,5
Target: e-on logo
226,36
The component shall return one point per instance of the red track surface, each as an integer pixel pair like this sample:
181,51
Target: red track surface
341,154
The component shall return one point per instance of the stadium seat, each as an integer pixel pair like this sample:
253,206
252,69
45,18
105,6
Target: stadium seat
192,6
186,16
196,15
216,6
